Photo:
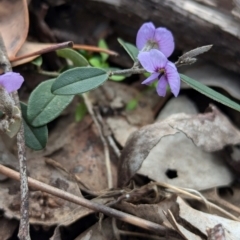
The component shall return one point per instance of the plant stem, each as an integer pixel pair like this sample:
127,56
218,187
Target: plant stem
128,71
23,232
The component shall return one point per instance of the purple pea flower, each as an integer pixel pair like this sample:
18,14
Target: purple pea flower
149,37
11,81
162,69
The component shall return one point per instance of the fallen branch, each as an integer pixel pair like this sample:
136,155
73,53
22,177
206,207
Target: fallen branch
161,230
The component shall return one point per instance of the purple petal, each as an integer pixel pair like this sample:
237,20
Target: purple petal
152,60
173,78
151,79
162,86
11,81
145,33
165,41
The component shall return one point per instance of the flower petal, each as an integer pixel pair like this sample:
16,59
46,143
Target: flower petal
173,78
152,60
151,79
145,33
11,81
165,41
162,86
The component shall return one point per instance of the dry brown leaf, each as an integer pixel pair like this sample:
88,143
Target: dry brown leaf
95,232
186,234
209,132
203,221
14,24
151,212
7,228
44,209
77,147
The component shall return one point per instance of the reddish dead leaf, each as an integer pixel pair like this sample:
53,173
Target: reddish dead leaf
14,24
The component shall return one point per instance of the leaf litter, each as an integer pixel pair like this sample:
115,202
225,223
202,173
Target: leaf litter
187,150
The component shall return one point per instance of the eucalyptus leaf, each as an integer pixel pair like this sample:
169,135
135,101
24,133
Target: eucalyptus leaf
35,137
43,106
130,49
77,59
79,80
210,92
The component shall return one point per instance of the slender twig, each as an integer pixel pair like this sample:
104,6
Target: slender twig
94,49
23,233
145,224
54,47
128,71
105,145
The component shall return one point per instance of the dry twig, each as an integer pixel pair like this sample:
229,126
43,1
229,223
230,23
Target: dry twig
145,224
24,221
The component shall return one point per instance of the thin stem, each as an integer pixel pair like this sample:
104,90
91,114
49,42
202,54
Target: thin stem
23,232
127,71
47,73
145,224
105,145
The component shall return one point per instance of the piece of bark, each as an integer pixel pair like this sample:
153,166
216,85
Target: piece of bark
192,23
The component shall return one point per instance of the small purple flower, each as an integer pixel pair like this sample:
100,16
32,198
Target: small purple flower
149,37
162,69
11,81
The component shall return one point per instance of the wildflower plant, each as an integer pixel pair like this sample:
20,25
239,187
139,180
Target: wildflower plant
51,97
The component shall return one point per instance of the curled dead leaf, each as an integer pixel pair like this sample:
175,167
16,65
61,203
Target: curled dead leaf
209,132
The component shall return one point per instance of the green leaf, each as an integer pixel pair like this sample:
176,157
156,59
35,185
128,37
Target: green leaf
79,80
81,111
130,49
209,92
77,59
95,62
102,44
37,61
132,104
117,78
43,106
35,137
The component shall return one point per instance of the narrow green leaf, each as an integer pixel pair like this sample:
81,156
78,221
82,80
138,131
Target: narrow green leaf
102,44
77,59
35,137
79,80
43,106
117,78
37,61
81,111
130,49
210,92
